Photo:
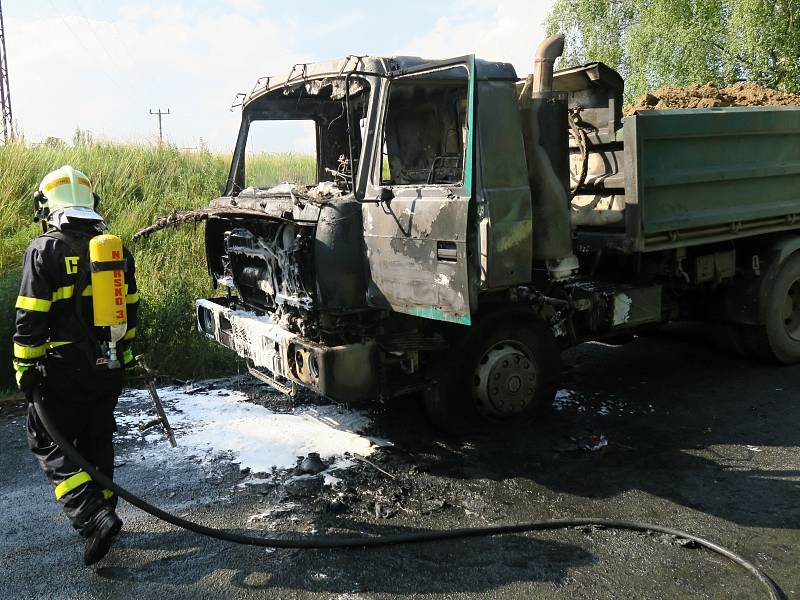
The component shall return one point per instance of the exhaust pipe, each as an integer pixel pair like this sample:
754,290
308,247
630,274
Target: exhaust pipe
546,54
544,122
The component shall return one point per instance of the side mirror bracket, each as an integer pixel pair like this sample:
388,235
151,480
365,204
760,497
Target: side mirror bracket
385,194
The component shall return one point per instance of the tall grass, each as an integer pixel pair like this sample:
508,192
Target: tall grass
137,184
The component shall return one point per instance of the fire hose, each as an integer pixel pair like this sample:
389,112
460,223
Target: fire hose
324,541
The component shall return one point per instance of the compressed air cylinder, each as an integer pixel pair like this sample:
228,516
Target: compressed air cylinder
108,280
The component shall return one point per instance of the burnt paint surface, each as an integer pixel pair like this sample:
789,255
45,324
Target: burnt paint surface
338,255
417,253
506,226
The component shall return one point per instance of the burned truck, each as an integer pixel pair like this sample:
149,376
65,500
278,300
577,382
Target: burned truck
466,225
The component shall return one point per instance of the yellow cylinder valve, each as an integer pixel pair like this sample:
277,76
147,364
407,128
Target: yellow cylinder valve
108,281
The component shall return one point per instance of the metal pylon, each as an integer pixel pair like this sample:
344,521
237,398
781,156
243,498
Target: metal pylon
5,90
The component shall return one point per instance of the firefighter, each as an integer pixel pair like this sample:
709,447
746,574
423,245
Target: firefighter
61,352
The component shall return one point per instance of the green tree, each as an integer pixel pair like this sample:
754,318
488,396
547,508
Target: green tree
680,42
82,138
53,142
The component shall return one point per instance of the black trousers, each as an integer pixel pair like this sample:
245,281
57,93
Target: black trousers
80,400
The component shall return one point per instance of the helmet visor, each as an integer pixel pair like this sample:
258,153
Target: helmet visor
81,212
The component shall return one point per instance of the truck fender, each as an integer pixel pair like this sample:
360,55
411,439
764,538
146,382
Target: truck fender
784,247
745,300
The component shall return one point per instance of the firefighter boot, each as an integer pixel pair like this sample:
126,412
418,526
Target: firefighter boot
104,526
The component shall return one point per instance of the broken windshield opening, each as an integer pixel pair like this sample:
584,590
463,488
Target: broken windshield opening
280,152
311,116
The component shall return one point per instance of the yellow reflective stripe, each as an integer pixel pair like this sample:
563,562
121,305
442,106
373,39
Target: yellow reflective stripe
69,484
130,334
132,298
84,181
64,293
56,344
68,291
56,182
29,351
107,494
37,304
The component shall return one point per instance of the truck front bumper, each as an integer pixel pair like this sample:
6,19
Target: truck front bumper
345,373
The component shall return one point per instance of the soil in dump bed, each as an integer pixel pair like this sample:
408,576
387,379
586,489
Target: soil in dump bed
710,96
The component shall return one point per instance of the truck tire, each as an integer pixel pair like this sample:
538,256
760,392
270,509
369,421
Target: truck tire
778,338
502,373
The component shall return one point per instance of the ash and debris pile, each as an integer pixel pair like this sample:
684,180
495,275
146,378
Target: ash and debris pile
711,96
385,487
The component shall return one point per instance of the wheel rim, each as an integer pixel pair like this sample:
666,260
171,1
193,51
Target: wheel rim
791,311
504,382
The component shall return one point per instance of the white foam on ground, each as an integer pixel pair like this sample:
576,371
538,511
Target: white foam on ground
566,399
601,405
220,423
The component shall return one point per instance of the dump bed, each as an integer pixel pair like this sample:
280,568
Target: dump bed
695,176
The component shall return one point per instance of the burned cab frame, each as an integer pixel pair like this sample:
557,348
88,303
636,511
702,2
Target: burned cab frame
317,287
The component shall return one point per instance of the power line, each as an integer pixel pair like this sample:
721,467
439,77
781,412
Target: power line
111,79
5,89
160,131
94,34
121,39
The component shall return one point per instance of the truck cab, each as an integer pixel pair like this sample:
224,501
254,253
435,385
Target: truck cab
340,285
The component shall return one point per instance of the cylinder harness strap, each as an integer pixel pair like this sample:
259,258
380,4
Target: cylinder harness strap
110,265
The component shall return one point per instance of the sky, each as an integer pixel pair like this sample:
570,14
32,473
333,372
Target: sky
101,66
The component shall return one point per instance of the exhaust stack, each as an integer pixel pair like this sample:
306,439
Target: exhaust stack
544,123
546,54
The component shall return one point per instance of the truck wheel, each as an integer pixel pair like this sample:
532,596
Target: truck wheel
778,338
502,373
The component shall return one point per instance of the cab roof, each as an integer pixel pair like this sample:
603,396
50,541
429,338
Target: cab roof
382,66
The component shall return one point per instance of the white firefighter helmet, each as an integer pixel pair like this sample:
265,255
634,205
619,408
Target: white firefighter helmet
69,195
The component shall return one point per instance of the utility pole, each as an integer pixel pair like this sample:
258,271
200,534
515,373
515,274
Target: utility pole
5,90
160,131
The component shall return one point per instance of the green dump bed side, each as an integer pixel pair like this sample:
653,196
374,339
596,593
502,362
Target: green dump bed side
697,176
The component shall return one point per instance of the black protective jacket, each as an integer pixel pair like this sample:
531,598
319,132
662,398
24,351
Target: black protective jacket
54,306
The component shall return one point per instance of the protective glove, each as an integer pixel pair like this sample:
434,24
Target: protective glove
28,376
129,362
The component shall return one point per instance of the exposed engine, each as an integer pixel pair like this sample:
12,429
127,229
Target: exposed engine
272,265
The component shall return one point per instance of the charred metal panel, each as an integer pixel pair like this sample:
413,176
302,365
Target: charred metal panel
417,253
349,373
595,94
548,171
506,224
346,373
613,306
637,306
339,254
301,74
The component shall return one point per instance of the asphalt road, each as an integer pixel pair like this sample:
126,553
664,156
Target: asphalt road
697,439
